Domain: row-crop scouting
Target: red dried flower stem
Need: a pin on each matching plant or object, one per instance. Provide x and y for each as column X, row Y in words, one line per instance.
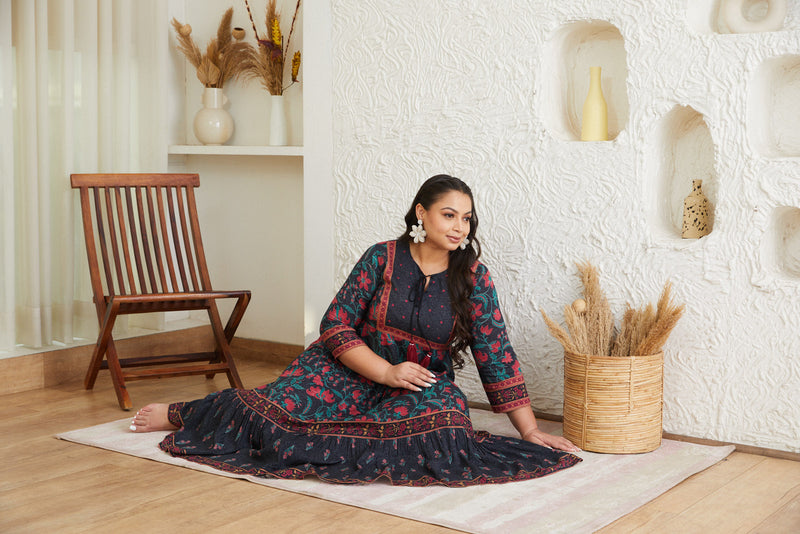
column 249, row 14
column 291, row 28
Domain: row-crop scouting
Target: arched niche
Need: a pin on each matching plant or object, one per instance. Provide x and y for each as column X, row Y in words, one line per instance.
column 683, row 151
column 569, row 54
column 772, row 110
column 736, row 16
column 781, row 247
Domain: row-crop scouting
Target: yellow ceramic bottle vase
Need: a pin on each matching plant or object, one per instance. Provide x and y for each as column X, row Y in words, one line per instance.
column 594, row 126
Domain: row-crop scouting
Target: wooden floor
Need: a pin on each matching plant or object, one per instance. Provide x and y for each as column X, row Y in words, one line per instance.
column 52, row 485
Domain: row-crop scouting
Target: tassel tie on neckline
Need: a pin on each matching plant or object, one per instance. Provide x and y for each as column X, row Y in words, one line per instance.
column 415, row 295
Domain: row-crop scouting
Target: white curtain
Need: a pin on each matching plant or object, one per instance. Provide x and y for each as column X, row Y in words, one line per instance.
column 82, row 89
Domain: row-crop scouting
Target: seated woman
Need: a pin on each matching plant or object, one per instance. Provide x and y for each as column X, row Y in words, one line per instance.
column 375, row 395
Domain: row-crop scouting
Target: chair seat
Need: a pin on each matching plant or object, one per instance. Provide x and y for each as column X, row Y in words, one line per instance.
column 170, row 301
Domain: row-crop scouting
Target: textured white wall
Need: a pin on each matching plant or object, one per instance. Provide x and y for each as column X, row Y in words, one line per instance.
column 486, row 90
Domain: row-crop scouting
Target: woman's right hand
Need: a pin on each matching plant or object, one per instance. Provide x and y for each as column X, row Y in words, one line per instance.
column 408, row 375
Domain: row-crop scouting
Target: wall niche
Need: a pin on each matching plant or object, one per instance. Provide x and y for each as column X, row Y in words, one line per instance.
column 772, row 111
column 569, row 54
column 781, row 247
column 683, row 152
column 736, row 16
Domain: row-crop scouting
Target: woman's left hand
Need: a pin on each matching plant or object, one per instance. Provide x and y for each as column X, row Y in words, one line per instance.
column 549, row 440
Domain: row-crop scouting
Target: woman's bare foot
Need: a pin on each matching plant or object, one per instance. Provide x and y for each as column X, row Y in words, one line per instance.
column 151, row 418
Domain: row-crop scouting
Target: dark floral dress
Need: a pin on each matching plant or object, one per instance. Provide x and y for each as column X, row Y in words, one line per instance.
column 321, row 418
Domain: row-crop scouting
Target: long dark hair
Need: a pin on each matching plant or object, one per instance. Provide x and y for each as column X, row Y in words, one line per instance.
column 459, row 268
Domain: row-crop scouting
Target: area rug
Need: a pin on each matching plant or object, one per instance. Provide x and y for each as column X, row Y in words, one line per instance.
column 583, row 498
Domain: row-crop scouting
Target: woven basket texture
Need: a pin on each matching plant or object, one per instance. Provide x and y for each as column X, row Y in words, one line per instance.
column 613, row 404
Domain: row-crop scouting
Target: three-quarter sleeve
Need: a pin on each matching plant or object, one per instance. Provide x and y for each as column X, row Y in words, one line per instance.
column 341, row 322
column 494, row 356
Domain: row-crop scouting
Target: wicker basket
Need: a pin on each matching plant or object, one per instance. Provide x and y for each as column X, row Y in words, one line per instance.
column 613, row 404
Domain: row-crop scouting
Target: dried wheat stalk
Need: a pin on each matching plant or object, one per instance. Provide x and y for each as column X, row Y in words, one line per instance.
column 642, row 323
column 666, row 318
column 599, row 319
column 622, row 343
column 576, row 322
column 642, row 332
column 559, row 333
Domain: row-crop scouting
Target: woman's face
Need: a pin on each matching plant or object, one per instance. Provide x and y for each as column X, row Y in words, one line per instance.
column 447, row 221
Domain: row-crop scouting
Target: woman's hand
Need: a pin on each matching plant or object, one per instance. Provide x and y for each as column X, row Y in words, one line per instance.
column 408, row 375
column 548, row 440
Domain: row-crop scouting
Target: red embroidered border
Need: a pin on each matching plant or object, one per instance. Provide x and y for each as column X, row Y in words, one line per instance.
column 357, row 429
column 507, row 383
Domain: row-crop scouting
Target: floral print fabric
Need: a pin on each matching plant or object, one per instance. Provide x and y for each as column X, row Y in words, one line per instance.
column 321, row 418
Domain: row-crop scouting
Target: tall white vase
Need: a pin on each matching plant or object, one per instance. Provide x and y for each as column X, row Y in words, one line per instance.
column 213, row 125
column 278, row 135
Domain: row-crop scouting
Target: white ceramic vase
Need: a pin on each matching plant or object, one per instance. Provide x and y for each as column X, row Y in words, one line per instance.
column 213, row 125
column 277, row 121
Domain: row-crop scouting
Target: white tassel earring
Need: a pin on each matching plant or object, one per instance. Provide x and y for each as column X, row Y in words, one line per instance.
column 418, row 232
column 464, row 244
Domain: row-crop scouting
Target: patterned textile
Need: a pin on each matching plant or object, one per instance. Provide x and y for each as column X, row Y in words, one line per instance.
column 321, row 418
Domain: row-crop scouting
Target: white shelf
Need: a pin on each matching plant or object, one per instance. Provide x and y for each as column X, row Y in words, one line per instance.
column 232, row 150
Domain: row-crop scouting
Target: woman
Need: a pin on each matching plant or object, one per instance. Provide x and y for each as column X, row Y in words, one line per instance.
column 375, row 396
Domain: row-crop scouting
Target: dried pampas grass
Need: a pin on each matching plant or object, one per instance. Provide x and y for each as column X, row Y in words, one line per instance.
column 575, row 317
column 591, row 324
column 559, row 333
column 666, row 318
column 599, row 319
column 225, row 57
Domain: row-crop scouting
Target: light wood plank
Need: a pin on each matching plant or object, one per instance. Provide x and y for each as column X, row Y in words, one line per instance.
column 49, row 484
column 748, row 499
column 787, row 519
column 22, row 373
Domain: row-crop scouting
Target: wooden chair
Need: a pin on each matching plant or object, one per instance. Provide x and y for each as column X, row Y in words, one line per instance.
column 145, row 255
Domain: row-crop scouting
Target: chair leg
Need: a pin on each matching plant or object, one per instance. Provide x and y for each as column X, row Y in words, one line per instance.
column 236, row 316
column 107, row 318
column 94, row 367
column 117, row 378
column 223, row 349
column 105, row 347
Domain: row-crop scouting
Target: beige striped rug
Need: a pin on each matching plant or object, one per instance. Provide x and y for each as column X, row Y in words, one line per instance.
column 583, row 498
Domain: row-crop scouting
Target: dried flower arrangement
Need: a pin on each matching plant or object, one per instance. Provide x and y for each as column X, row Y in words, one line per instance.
column 226, row 54
column 267, row 61
column 591, row 323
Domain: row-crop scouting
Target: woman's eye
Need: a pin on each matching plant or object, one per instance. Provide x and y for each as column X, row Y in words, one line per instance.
column 448, row 215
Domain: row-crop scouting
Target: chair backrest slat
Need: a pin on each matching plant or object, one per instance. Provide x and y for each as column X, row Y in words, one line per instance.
column 168, row 256
column 200, row 254
column 187, row 241
column 112, row 235
column 135, row 236
column 102, row 240
column 142, row 233
column 176, row 239
column 124, row 246
column 151, row 192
